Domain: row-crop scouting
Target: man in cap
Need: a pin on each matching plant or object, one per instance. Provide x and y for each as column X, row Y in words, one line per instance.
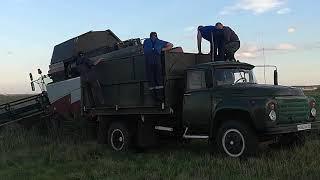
column 231, row 41
column 90, row 86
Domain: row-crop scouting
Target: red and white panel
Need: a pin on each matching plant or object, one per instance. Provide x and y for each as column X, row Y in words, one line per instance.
column 65, row 96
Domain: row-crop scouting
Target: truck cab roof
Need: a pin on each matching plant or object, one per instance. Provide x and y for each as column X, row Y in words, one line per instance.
column 223, row 64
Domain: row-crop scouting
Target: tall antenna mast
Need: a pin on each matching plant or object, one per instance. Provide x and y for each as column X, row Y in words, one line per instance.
column 264, row 65
column 264, row 59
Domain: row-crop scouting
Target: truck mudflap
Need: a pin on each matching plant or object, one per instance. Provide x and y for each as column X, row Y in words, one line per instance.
column 291, row 128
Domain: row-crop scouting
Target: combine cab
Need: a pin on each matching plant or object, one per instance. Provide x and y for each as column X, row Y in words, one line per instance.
column 93, row 43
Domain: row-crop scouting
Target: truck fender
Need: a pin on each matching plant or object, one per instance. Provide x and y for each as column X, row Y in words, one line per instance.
column 230, row 111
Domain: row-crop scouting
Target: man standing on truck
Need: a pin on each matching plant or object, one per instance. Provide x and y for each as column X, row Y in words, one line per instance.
column 231, row 41
column 215, row 37
column 90, row 86
column 152, row 48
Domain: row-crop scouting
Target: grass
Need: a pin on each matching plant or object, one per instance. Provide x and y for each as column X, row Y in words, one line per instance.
column 28, row 155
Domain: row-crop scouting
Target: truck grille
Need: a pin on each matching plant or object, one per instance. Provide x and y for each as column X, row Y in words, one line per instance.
column 292, row 110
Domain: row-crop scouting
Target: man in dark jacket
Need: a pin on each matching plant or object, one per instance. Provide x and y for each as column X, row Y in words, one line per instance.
column 231, row 41
column 215, row 37
column 152, row 48
column 90, row 86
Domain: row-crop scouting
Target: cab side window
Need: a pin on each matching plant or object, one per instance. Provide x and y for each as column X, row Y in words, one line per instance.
column 197, row 79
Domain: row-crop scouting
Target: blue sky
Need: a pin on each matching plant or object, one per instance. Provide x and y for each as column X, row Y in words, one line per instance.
column 287, row 30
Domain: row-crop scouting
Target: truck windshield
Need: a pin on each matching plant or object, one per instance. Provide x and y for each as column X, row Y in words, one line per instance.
column 234, row 76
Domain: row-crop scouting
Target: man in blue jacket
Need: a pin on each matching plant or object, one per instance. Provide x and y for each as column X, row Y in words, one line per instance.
column 215, row 37
column 153, row 48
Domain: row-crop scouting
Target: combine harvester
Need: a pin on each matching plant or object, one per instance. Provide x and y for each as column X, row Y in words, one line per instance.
column 217, row 101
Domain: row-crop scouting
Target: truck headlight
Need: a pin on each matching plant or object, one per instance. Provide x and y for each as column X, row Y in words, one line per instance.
column 271, row 109
column 273, row 115
column 313, row 112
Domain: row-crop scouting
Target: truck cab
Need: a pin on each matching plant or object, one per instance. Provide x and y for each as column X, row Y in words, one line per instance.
column 224, row 102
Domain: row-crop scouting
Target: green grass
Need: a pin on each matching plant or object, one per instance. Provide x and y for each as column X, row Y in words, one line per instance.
column 28, row 155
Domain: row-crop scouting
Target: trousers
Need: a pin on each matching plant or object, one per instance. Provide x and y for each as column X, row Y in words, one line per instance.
column 154, row 72
column 91, row 91
column 230, row 49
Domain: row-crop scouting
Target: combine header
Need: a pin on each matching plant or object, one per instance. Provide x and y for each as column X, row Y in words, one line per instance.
column 22, row 109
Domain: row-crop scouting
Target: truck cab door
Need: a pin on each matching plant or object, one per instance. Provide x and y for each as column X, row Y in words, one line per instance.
column 197, row 101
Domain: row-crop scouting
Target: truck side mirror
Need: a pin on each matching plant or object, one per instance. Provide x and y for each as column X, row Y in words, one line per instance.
column 275, row 77
column 39, row 71
column 31, row 77
column 32, row 86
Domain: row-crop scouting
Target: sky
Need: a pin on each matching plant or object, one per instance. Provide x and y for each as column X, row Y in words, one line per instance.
column 277, row 32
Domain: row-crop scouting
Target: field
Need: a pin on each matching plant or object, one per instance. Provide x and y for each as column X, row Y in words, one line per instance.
column 28, row 155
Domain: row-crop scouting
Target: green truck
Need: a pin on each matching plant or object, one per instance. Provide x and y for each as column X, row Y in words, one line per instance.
column 218, row 101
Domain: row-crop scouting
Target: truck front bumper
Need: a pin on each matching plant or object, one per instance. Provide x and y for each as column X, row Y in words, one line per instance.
column 292, row 128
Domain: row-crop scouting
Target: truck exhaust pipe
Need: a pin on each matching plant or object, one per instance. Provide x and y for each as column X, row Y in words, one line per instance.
column 275, row 77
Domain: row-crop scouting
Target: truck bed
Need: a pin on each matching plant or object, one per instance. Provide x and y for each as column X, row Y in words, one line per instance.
column 125, row 87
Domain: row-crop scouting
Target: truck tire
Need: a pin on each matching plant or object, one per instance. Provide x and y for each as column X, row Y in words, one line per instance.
column 119, row 138
column 236, row 139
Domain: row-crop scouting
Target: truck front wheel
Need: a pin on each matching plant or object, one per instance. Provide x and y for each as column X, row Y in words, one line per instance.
column 236, row 139
column 119, row 137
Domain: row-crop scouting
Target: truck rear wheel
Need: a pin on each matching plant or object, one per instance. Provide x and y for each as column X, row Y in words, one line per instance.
column 119, row 137
column 236, row 139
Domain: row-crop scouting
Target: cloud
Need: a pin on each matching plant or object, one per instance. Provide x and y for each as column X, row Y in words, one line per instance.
column 285, row 47
column 252, row 51
column 284, row 11
column 291, row 30
column 254, row 6
column 189, row 28
column 248, row 52
column 247, row 55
